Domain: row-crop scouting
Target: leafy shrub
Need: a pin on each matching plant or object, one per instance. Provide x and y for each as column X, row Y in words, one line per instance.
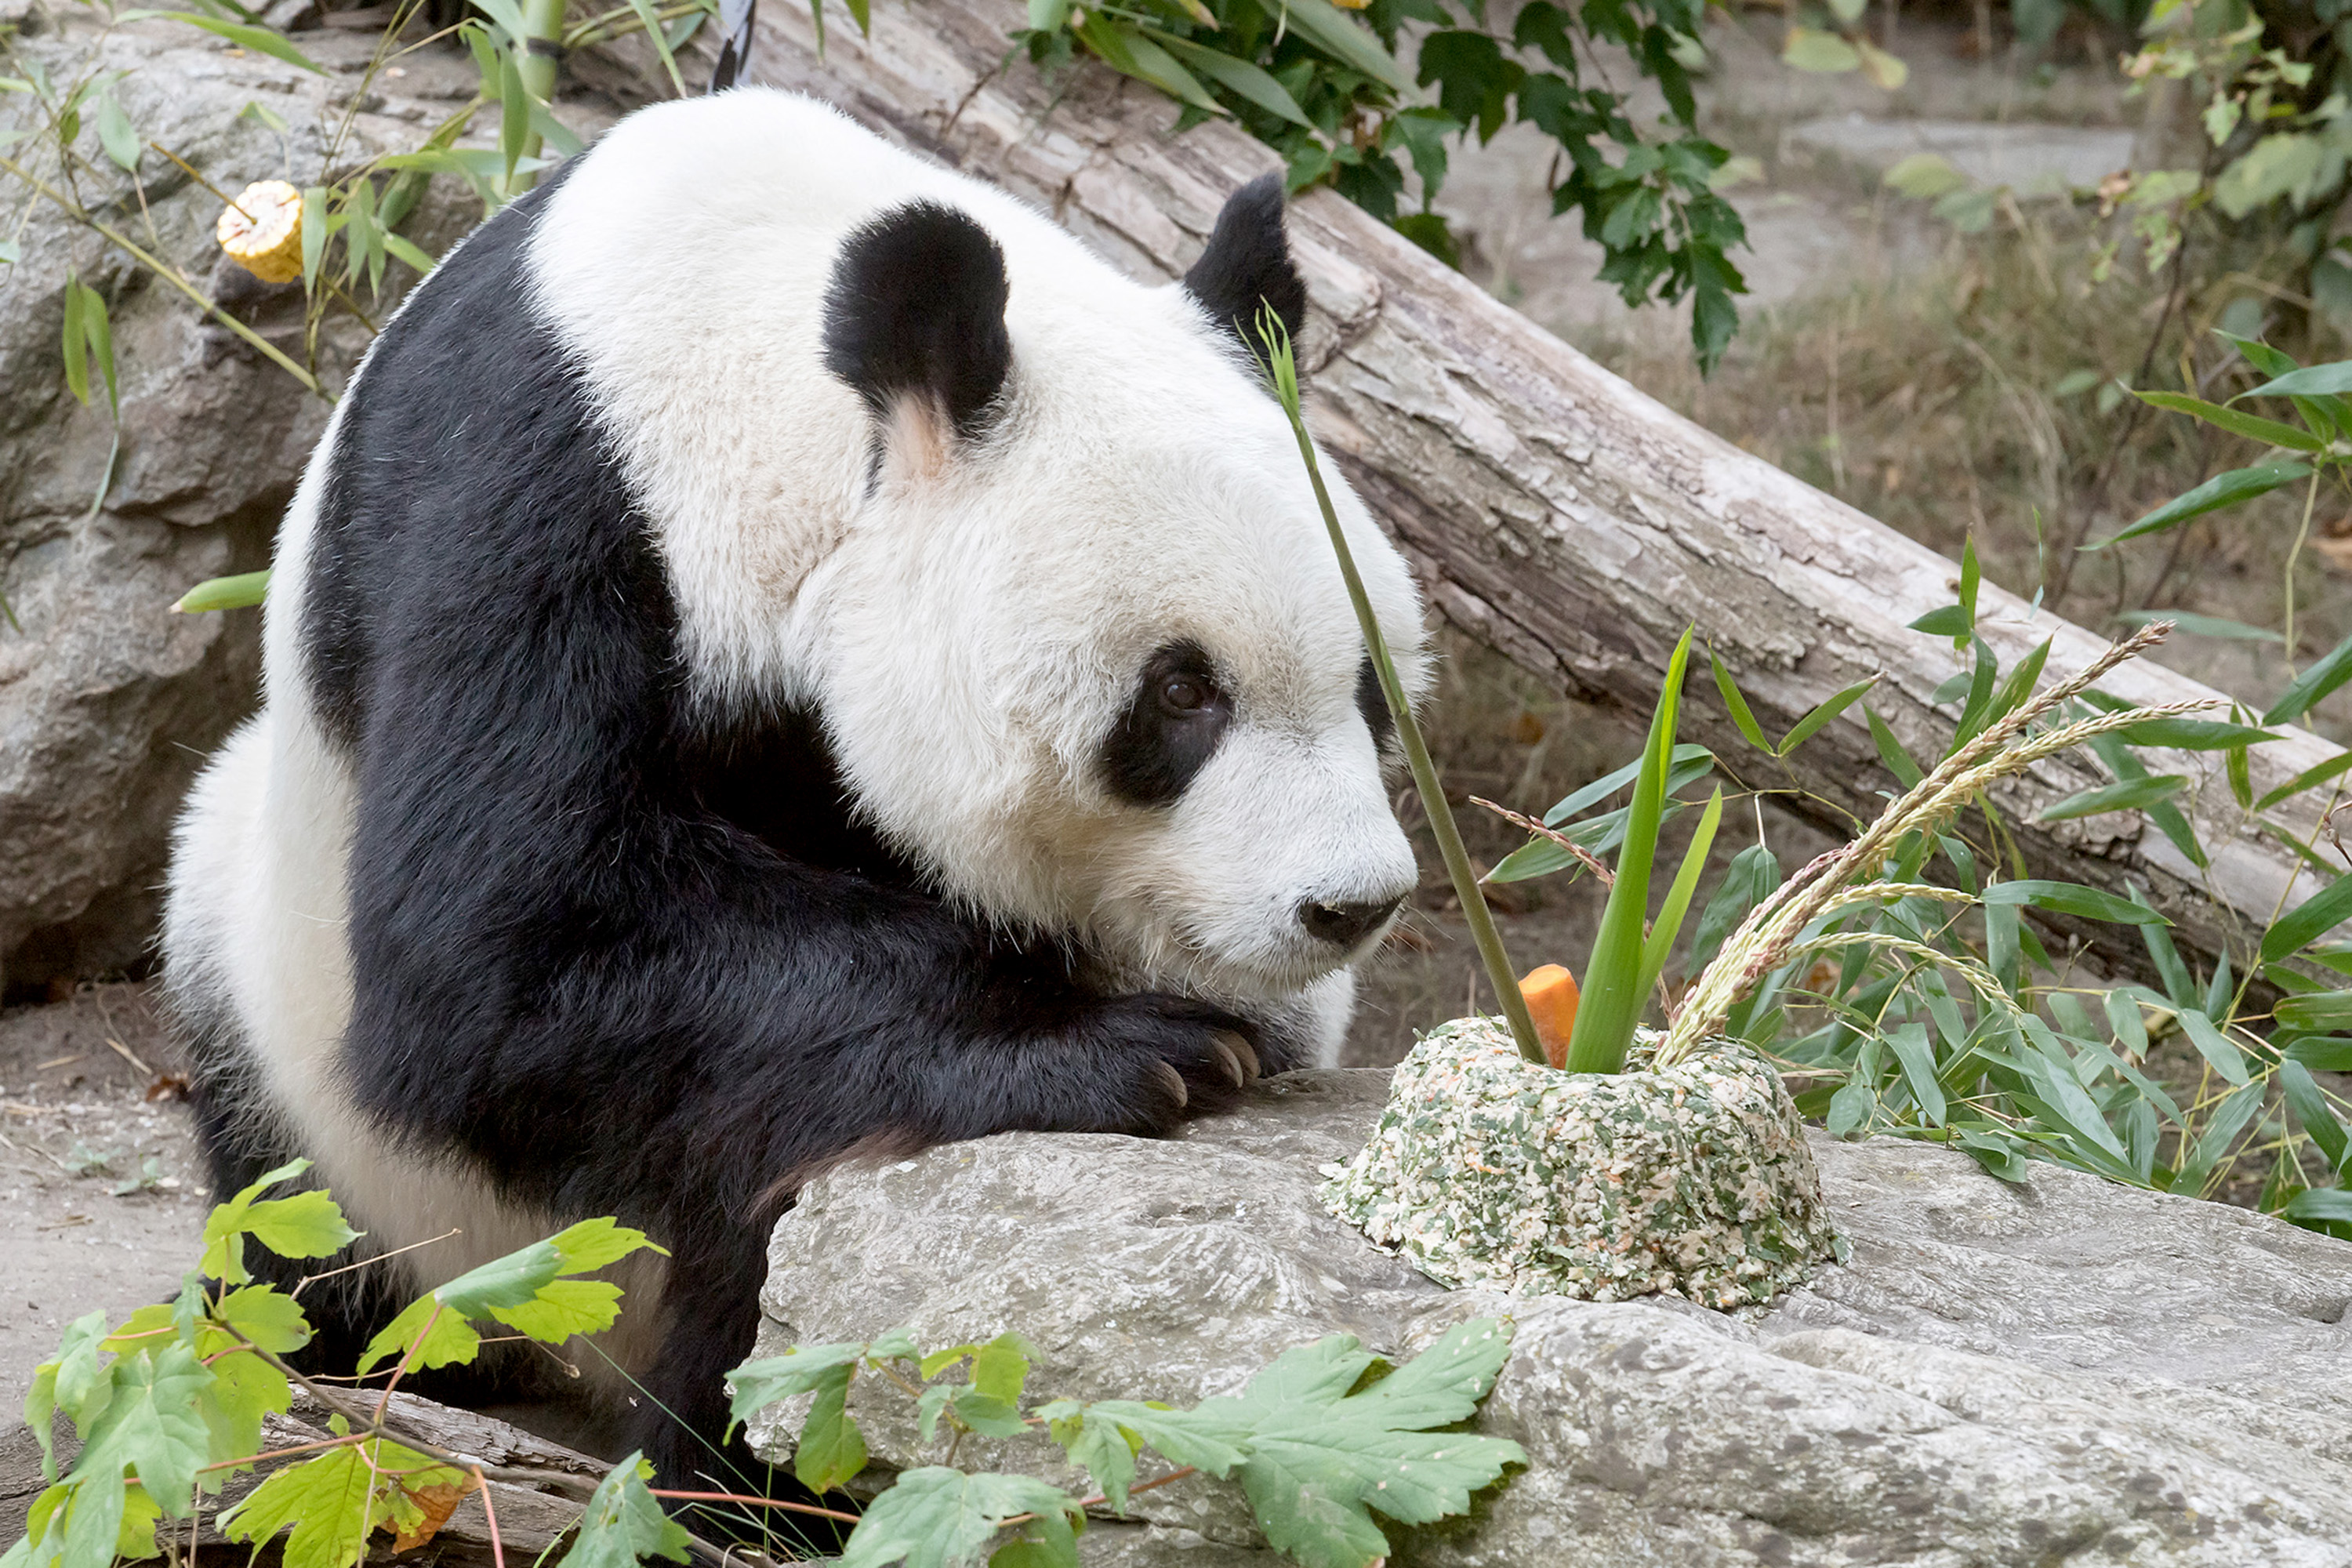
column 169, row 1406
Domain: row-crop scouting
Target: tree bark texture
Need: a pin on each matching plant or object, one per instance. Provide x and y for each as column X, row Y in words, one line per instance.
column 1552, row 510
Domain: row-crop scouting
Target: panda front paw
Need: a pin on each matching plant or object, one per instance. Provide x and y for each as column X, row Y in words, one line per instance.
column 1175, row 1056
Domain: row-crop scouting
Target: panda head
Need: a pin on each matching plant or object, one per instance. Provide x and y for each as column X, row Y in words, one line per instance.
column 1090, row 659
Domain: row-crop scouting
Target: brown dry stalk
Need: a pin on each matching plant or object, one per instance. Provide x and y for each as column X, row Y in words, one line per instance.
column 1592, row 862
column 1768, row 937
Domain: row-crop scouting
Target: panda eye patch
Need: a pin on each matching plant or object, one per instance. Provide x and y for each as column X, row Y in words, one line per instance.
column 1170, row 727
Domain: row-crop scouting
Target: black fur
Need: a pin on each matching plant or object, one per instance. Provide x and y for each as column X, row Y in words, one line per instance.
column 1247, row 265
column 915, row 307
column 1373, row 704
column 624, row 960
column 1163, row 739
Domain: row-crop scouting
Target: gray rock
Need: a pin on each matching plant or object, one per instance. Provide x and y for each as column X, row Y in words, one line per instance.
column 107, row 701
column 2064, row 1371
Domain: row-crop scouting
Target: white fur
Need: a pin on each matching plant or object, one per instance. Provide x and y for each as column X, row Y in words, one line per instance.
column 971, row 627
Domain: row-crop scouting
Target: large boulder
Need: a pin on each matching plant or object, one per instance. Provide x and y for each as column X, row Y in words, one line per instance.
column 2061, row 1371
column 108, row 702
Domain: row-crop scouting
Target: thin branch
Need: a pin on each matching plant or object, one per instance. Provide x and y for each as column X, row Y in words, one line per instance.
column 368, row 1262
column 1100, row 1497
column 169, row 274
column 1592, row 862
column 401, row 1371
column 490, row 1512
column 750, row 1501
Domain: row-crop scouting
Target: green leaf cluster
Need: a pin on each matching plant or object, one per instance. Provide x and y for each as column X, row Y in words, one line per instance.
column 169, row 1406
column 1323, row 1442
column 1925, row 1003
column 534, row 1292
column 1325, row 88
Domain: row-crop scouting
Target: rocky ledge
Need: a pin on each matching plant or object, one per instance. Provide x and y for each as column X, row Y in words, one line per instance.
column 2062, row 1371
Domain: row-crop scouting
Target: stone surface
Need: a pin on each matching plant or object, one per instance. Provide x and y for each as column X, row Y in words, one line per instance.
column 107, row 701
column 2060, row 1371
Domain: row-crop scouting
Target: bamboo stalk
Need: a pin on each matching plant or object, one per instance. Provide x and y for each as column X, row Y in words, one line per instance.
column 1283, row 371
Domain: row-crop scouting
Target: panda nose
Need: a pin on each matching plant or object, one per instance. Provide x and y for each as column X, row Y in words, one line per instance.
column 1343, row 924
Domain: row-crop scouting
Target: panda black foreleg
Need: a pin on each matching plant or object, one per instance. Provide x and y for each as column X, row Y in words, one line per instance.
column 691, row 1053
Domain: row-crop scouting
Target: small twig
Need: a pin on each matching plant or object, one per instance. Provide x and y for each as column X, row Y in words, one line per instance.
column 750, row 1501
column 401, row 1371
column 128, row 1055
column 1592, row 862
column 190, row 170
column 369, row 1262
column 490, row 1512
column 343, row 1442
column 574, row 1486
column 1102, row 1497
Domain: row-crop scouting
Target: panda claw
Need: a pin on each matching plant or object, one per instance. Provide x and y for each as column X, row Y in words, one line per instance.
column 1243, row 1057
column 1230, row 1063
column 1175, row 1083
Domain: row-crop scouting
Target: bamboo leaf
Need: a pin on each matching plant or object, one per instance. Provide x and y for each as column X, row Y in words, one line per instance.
column 2229, row 1119
column 651, row 25
column 115, row 132
column 2131, row 794
column 2317, row 773
column 1890, row 752
column 1806, row 728
column 1613, row 992
column 1236, row 76
column 1742, row 717
column 77, row 343
column 514, row 119
column 2073, row 899
column 2333, row 669
column 1975, row 713
column 1909, row 1044
column 408, row 251
column 1344, row 39
column 314, row 233
column 2316, row 1012
column 2312, row 380
column 2017, row 687
column 1128, row 52
column 2221, row 491
column 260, row 40
column 2199, row 626
column 2194, row 735
column 2309, row 921
column 2236, row 421
column 2310, row 1107
column 1669, row 923
column 1951, row 621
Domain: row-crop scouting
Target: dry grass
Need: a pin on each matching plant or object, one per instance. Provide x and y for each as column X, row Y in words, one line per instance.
column 1939, row 401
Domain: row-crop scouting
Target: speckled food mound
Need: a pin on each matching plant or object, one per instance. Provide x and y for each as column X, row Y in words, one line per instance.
column 1486, row 1169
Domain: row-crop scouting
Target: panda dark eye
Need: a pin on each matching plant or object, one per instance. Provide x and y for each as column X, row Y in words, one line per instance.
column 1185, row 694
column 1176, row 716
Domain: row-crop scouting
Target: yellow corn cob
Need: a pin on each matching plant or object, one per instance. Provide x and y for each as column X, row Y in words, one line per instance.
column 262, row 231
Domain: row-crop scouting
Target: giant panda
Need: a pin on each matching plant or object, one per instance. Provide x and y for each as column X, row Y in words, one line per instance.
column 782, row 655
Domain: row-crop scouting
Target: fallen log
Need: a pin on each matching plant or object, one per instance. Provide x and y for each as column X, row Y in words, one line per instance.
column 1553, row 510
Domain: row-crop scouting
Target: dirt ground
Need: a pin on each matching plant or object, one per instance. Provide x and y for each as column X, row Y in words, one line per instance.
column 88, row 1107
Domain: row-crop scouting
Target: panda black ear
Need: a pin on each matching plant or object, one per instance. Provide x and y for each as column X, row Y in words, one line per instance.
column 1247, row 265
column 915, row 313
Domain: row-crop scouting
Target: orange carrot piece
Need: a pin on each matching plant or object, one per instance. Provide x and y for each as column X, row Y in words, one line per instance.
column 1551, row 996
